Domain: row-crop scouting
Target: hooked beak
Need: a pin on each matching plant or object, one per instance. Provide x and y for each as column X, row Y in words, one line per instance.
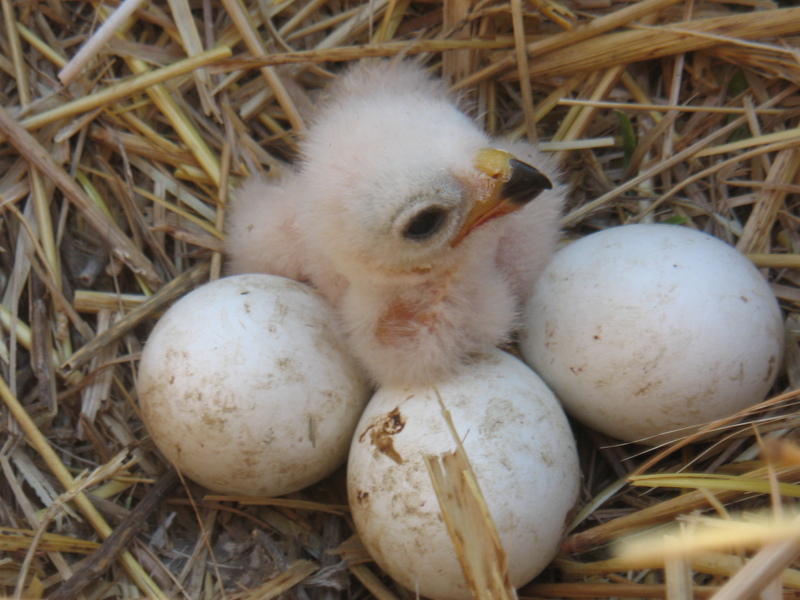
column 512, row 184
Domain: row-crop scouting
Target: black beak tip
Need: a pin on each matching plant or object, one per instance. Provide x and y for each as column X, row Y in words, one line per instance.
column 525, row 184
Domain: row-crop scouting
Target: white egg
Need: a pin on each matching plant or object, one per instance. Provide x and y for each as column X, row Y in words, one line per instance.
column 246, row 387
column 519, row 443
column 647, row 332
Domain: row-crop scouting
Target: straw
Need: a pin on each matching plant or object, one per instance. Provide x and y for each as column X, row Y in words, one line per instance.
column 125, row 131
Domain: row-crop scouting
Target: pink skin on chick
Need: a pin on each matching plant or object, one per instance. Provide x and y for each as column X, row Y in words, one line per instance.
column 424, row 234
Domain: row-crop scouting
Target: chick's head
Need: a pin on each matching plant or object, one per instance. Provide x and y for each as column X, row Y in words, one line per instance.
column 400, row 178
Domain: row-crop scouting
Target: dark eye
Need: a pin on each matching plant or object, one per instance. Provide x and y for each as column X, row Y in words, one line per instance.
column 425, row 224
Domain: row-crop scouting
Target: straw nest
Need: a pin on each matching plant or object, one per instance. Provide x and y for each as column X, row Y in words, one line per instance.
column 123, row 128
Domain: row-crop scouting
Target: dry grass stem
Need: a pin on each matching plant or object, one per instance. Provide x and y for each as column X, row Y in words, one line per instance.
column 469, row 523
column 660, row 513
column 728, row 110
column 576, row 35
column 165, row 296
column 45, row 450
column 92, row 46
column 762, row 569
column 125, row 89
column 296, row 573
column 575, row 591
column 603, row 52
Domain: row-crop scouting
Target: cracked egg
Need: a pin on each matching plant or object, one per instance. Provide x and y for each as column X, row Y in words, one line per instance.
column 522, row 452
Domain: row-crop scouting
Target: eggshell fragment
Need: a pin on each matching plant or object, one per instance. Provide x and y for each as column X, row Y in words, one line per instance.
column 246, row 387
column 521, row 449
column 647, row 332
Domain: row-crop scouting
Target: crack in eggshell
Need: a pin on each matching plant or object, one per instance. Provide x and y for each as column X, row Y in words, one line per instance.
column 383, row 429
